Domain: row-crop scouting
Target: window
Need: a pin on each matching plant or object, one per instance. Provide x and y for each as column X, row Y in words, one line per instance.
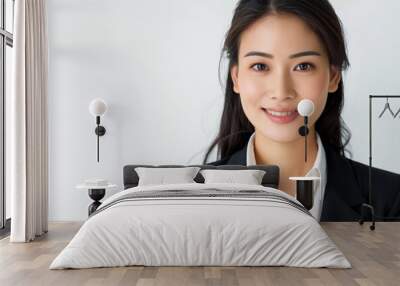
column 6, row 44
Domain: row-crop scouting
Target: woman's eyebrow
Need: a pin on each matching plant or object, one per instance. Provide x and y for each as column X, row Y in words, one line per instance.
column 266, row 55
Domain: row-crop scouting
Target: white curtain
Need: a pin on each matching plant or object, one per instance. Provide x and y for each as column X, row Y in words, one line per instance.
column 27, row 121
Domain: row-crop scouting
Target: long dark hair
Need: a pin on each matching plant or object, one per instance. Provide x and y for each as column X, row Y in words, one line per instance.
column 235, row 129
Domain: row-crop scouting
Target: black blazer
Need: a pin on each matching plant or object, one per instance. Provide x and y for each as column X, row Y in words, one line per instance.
column 347, row 188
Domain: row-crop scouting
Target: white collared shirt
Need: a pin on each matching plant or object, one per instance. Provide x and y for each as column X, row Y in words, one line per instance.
column 318, row 170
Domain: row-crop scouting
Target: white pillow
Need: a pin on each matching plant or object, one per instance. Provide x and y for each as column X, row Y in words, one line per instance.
column 249, row 177
column 162, row 176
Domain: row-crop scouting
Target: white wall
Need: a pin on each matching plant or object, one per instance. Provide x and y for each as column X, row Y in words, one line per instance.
column 371, row 29
column 156, row 64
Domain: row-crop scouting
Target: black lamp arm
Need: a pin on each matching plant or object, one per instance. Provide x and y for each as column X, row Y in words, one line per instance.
column 99, row 131
column 303, row 131
column 305, row 137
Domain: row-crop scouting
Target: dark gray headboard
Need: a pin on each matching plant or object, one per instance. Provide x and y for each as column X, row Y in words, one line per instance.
column 270, row 179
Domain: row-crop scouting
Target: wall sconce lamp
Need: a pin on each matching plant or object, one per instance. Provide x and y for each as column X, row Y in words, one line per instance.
column 97, row 108
column 304, row 185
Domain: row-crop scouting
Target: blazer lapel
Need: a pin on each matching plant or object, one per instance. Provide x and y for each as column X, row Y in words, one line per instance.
column 343, row 196
column 239, row 157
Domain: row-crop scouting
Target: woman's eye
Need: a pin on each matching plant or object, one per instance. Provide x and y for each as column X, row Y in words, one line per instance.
column 259, row 67
column 300, row 67
column 304, row 66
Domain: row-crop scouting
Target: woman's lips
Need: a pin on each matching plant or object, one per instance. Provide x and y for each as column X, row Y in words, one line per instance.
column 281, row 119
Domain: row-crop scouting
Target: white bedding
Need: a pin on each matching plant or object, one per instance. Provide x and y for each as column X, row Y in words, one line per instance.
column 186, row 231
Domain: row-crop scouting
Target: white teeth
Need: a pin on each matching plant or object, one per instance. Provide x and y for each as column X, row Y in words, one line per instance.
column 276, row 113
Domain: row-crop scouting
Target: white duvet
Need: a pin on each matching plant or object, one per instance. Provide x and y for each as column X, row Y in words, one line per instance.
column 200, row 231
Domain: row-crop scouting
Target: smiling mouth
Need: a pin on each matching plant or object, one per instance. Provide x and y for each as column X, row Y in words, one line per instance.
column 280, row 113
column 280, row 117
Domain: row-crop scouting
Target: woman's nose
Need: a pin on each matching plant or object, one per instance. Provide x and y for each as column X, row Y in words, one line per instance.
column 281, row 86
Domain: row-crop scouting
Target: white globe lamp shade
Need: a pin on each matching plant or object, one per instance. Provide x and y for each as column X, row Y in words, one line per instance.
column 305, row 107
column 97, row 107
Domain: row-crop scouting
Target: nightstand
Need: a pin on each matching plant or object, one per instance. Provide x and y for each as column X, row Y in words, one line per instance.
column 96, row 193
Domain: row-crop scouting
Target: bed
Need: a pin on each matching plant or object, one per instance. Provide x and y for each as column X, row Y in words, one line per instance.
column 201, row 223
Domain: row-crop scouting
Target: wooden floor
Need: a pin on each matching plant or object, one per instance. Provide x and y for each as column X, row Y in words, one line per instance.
column 374, row 255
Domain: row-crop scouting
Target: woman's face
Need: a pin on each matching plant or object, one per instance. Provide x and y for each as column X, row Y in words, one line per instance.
column 282, row 61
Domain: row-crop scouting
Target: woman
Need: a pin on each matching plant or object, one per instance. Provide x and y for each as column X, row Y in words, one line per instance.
column 280, row 52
